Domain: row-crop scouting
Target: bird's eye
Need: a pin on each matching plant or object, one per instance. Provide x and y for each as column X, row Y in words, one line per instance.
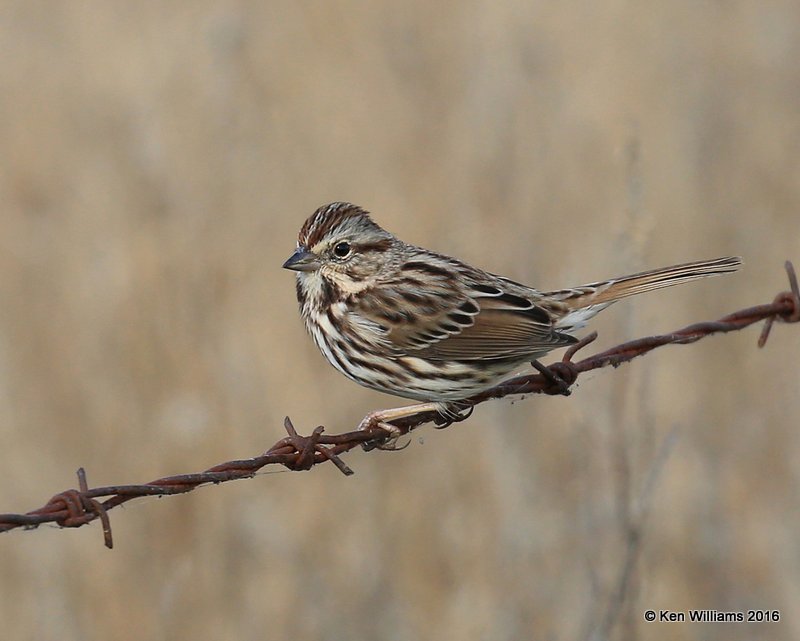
column 342, row 250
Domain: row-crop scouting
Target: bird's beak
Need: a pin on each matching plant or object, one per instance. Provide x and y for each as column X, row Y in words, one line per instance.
column 302, row 261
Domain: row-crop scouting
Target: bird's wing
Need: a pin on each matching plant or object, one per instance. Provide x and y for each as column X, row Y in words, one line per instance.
column 437, row 313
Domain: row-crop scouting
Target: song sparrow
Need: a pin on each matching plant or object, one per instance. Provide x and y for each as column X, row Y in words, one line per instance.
column 408, row 321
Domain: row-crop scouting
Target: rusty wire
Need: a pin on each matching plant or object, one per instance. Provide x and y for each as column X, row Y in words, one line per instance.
column 77, row 507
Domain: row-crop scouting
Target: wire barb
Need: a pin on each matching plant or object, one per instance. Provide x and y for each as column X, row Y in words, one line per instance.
column 308, row 447
column 95, row 507
column 75, row 508
column 556, row 383
column 791, row 299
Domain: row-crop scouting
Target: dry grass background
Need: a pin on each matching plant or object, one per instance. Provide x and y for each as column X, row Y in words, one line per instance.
column 157, row 161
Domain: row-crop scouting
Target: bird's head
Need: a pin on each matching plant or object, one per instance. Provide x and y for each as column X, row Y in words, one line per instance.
column 341, row 244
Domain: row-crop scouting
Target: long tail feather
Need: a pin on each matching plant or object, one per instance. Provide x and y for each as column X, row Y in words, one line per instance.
column 665, row 277
column 608, row 291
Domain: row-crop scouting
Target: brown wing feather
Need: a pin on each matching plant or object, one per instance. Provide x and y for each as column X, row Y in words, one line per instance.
column 499, row 332
column 434, row 315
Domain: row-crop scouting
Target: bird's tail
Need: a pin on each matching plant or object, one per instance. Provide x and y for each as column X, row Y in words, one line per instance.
column 584, row 302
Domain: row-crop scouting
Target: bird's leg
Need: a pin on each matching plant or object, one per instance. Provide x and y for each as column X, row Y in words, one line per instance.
column 382, row 418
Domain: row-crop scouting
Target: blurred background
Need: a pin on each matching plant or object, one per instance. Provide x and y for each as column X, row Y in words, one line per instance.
column 157, row 160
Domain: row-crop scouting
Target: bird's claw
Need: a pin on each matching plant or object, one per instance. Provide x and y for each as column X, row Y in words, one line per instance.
column 388, row 442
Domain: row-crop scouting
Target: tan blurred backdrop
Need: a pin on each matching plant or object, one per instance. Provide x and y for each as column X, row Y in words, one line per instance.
column 157, row 160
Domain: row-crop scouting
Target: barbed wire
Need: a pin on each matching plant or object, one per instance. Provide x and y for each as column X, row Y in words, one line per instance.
column 77, row 507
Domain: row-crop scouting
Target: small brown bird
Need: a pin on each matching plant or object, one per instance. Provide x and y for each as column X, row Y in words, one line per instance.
column 408, row 321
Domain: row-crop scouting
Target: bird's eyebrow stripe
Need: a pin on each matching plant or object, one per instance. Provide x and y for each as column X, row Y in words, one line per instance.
column 375, row 245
